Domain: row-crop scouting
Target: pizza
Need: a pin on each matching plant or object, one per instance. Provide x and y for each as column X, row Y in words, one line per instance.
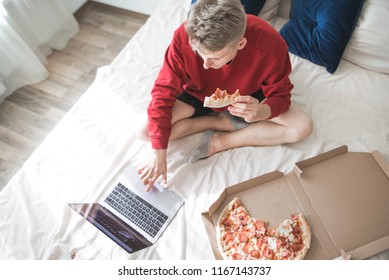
column 220, row 99
column 242, row 237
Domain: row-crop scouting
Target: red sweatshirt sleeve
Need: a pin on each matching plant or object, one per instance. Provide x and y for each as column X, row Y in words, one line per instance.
column 166, row 87
column 277, row 88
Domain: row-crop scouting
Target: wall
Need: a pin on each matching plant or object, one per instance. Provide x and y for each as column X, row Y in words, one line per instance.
column 141, row 6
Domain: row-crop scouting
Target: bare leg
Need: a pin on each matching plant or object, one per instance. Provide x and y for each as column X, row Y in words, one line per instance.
column 292, row 126
column 183, row 125
column 191, row 126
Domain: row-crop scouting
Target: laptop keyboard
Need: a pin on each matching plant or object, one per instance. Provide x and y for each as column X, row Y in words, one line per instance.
column 136, row 209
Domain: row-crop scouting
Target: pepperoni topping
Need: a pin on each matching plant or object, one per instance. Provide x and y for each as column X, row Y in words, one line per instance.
column 287, row 254
column 243, row 237
column 236, row 256
column 227, row 222
column 247, row 248
column 297, row 238
column 228, row 238
column 297, row 247
column 255, row 254
column 267, row 253
column 259, row 225
column 281, row 241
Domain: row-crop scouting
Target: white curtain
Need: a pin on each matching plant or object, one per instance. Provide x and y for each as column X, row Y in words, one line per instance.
column 29, row 31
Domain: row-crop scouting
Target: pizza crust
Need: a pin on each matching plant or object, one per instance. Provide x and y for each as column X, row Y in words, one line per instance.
column 306, row 236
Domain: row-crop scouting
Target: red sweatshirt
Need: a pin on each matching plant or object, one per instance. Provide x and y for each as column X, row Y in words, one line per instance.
column 263, row 63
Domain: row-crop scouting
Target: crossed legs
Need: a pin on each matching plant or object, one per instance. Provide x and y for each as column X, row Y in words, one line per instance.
column 291, row 126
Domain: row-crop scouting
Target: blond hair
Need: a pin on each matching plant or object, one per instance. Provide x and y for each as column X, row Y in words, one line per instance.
column 214, row 24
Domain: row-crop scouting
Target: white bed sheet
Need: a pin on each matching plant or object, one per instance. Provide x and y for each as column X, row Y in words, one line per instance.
column 96, row 138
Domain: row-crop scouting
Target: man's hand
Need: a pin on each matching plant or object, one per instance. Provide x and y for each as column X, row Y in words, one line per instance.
column 157, row 167
column 249, row 108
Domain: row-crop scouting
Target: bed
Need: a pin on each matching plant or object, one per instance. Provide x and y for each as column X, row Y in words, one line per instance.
column 96, row 138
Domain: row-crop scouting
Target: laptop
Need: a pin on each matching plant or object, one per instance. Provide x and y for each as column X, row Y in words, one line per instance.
column 130, row 216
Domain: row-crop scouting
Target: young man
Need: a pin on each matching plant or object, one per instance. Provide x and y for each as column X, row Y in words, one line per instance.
column 220, row 47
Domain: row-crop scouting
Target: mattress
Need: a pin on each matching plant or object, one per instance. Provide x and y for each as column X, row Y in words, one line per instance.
column 96, row 138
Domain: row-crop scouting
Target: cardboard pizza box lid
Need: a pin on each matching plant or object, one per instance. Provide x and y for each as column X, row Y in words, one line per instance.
column 343, row 195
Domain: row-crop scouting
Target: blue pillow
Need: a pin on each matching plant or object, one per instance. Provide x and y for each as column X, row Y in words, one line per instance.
column 252, row 7
column 319, row 30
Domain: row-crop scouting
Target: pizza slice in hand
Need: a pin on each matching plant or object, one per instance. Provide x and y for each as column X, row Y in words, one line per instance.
column 220, row 99
column 240, row 236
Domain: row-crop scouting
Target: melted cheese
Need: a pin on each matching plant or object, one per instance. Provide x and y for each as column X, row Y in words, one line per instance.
column 272, row 241
column 285, row 229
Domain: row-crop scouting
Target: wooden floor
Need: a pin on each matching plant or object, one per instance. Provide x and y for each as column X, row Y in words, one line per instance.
column 30, row 113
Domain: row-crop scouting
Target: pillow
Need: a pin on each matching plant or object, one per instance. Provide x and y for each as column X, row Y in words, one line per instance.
column 319, row 30
column 270, row 10
column 252, row 7
column 369, row 45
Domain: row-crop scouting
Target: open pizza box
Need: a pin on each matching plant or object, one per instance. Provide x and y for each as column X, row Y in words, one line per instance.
column 344, row 195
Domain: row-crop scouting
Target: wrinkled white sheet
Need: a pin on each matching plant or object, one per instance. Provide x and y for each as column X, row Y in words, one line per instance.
column 97, row 137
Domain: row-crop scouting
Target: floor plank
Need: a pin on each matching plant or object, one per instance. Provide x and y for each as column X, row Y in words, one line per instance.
column 31, row 112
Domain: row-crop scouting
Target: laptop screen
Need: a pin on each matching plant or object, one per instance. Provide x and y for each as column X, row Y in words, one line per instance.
column 112, row 226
